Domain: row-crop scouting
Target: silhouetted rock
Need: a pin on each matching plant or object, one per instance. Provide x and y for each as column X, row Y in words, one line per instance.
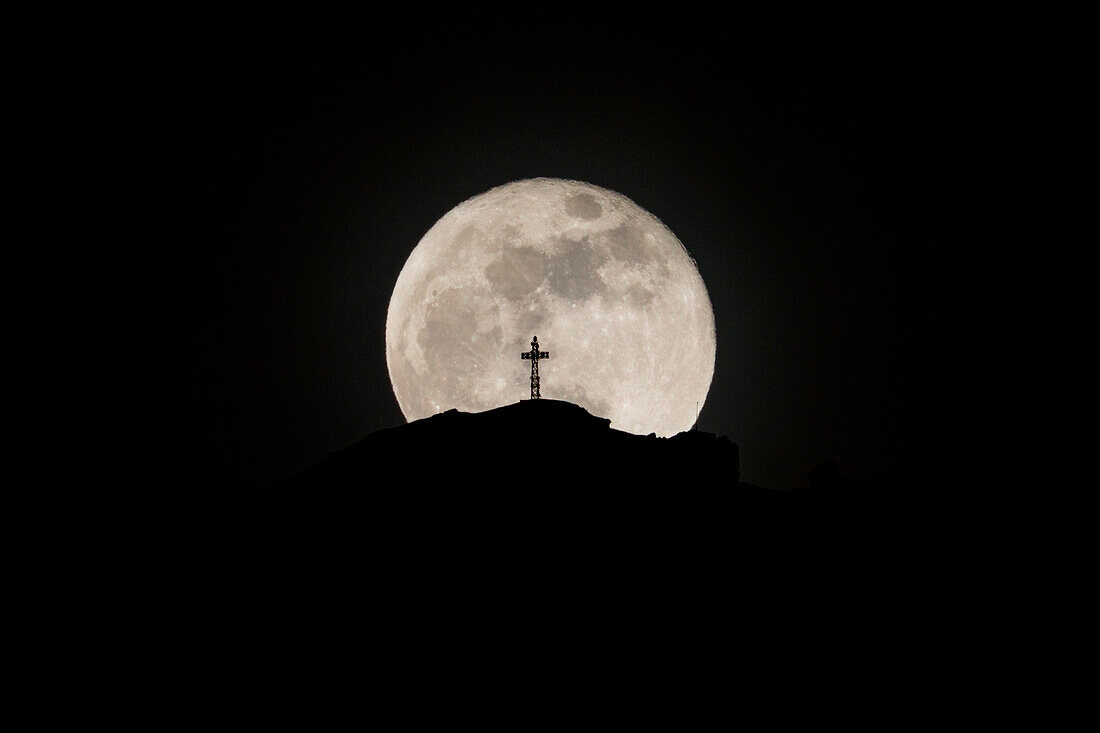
column 544, row 457
column 544, row 487
column 538, row 518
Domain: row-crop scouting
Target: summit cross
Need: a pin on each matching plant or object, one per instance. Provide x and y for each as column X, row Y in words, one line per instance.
column 534, row 355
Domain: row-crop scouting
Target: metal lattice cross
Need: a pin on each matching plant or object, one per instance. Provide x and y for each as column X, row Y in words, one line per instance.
column 534, row 355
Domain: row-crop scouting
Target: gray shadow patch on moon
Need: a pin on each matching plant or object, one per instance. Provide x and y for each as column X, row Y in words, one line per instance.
column 467, row 241
column 638, row 296
column 583, row 206
column 529, row 322
column 449, row 320
column 628, row 243
column 574, row 272
column 517, row 272
column 454, row 347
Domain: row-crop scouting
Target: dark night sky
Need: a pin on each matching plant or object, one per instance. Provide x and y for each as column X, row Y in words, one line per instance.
column 815, row 166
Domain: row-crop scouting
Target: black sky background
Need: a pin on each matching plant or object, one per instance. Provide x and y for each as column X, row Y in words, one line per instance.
column 819, row 167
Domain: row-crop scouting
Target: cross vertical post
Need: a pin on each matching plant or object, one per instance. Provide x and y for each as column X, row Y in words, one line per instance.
column 534, row 355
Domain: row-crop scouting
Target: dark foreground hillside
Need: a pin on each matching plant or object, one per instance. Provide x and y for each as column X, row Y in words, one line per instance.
column 533, row 537
column 546, row 477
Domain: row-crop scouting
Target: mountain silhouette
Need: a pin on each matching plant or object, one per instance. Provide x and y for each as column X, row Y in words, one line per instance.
column 547, row 474
column 545, row 460
column 539, row 522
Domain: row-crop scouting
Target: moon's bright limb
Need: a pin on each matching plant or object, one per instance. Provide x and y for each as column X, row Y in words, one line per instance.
column 608, row 289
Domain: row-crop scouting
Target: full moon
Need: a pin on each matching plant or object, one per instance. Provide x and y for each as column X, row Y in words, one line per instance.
column 610, row 292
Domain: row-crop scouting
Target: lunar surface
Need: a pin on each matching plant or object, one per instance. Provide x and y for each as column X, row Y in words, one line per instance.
column 610, row 292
